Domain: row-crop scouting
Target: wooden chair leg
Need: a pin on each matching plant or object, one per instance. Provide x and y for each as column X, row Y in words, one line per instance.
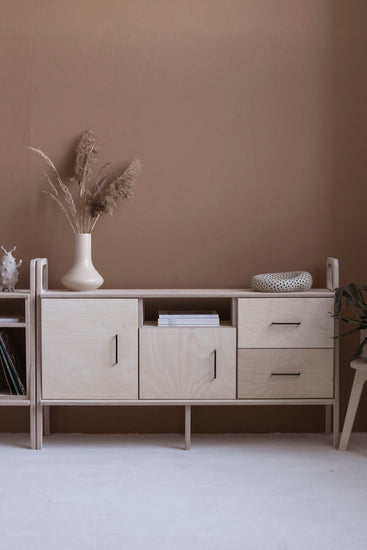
column 360, row 378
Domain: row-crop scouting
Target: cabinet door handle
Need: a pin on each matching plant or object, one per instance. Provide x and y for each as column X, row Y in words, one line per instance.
column 286, row 374
column 215, row 364
column 293, row 324
column 116, row 349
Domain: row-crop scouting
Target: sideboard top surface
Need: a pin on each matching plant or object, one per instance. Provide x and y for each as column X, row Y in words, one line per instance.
column 184, row 293
column 17, row 294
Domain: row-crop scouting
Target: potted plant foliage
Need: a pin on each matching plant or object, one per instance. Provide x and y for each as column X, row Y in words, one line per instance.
column 351, row 307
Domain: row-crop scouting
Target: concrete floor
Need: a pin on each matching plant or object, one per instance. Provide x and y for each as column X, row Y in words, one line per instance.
column 255, row 492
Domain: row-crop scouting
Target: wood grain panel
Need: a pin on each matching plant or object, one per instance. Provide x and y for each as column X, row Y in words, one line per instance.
column 286, row 373
column 181, row 293
column 178, row 363
column 285, row 323
column 79, row 349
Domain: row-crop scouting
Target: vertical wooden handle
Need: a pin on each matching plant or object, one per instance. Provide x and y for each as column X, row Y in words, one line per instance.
column 116, row 349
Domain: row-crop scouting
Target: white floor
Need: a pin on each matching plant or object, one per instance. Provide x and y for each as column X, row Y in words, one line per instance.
column 255, row 492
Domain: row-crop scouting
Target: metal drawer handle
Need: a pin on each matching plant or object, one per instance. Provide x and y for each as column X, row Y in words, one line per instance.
column 116, row 349
column 295, row 324
column 286, row 374
column 215, row 364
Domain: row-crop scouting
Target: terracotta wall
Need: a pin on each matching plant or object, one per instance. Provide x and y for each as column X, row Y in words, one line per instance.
column 250, row 119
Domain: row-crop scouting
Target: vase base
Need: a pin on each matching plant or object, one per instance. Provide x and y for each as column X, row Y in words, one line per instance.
column 84, row 285
column 83, row 275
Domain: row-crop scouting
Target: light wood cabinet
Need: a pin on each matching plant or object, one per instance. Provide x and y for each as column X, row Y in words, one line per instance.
column 17, row 380
column 286, row 348
column 90, row 349
column 188, row 363
column 97, row 348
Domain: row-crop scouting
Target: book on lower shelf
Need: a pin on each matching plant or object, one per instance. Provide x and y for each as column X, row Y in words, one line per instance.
column 188, row 319
column 11, row 371
column 11, row 319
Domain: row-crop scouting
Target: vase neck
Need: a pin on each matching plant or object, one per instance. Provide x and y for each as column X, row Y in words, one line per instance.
column 83, row 247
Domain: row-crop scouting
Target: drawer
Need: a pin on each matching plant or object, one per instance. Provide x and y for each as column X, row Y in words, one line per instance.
column 285, row 373
column 285, row 323
column 187, row 363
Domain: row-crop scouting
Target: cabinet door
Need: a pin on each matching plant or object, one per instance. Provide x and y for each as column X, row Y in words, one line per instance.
column 188, row 363
column 89, row 348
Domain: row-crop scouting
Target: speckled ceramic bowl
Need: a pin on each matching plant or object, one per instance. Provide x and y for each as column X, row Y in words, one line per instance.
column 289, row 281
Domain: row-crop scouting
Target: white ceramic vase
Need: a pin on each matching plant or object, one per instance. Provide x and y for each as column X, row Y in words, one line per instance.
column 82, row 275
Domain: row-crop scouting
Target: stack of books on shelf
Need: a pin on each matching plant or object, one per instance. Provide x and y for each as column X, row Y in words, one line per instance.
column 10, row 319
column 10, row 366
column 188, row 319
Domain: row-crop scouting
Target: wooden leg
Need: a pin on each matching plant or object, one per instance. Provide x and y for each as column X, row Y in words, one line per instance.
column 328, row 415
column 336, row 422
column 359, row 380
column 39, row 423
column 46, row 420
column 187, row 427
column 32, row 425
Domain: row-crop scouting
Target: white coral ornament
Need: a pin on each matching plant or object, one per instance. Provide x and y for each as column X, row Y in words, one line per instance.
column 8, row 270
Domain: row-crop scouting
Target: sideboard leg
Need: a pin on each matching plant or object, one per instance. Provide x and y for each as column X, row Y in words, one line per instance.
column 328, row 418
column 39, row 423
column 46, row 420
column 336, row 424
column 33, row 429
column 187, row 427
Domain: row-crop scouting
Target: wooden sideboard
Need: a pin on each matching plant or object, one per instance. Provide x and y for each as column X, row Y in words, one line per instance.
column 106, row 348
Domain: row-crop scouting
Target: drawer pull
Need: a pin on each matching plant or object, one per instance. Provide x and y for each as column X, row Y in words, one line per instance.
column 286, row 374
column 215, row 364
column 116, row 349
column 295, row 324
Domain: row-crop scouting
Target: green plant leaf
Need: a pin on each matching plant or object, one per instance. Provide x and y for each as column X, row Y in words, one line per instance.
column 360, row 349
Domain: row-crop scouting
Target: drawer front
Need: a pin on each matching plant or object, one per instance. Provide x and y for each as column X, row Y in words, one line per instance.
column 286, row 373
column 187, row 363
column 285, row 323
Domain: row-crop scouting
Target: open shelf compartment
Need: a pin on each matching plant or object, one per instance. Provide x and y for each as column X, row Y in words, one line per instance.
column 150, row 308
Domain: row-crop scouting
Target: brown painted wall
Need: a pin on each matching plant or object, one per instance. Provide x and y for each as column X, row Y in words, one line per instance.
column 250, row 118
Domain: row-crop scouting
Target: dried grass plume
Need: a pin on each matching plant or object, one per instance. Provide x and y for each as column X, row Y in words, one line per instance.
column 93, row 197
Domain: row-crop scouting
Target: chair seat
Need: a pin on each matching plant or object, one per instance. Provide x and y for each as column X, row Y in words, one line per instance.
column 360, row 364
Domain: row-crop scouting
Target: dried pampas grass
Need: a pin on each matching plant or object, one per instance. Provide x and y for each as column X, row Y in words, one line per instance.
column 95, row 197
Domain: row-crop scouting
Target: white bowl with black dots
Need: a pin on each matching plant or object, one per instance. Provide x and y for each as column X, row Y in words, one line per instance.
column 288, row 281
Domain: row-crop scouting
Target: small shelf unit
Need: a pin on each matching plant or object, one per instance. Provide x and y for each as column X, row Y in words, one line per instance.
column 21, row 303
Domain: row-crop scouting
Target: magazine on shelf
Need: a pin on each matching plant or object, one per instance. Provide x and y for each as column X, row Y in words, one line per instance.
column 188, row 319
column 188, row 325
column 182, row 322
column 11, row 364
column 188, row 314
column 10, row 319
